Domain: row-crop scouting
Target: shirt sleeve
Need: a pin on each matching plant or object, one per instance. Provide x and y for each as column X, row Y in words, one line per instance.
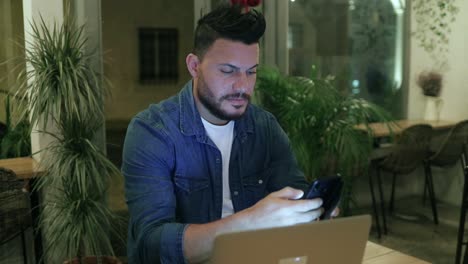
column 284, row 166
column 153, row 236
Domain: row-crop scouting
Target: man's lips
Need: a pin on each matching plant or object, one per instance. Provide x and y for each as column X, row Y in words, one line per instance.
column 241, row 97
column 240, row 100
column 237, row 101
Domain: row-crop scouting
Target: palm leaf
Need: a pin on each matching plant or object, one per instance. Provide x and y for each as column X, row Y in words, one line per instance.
column 320, row 122
column 16, row 141
column 60, row 82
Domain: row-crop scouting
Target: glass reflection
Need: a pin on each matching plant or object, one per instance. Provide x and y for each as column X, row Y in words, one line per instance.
column 360, row 42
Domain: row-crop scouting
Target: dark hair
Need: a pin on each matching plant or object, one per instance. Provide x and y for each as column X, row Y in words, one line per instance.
column 228, row 22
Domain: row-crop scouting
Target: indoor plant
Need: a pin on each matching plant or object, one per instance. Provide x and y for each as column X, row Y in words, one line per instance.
column 15, row 137
column 432, row 33
column 62, row 88
column 321, row 124
column 431, row 85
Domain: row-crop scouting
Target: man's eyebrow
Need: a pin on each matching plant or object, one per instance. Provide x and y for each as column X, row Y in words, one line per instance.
column 255, row 66
column 237, row 68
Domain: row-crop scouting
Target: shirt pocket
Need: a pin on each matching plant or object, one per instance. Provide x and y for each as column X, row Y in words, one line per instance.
column 255, row 186
column 193, row 198
column 190, row 185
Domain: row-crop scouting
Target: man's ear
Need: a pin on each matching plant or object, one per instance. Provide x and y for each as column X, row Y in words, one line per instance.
column 192, row 61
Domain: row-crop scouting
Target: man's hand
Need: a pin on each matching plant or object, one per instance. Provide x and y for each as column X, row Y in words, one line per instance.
column 282, row 208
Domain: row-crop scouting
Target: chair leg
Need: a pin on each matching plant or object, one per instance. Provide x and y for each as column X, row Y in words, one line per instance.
column 428, row 176
column 465, row 258
column 392, row 198
column 374, row 206
column 425, row 190
column 461, row 224
column 23, row 244
column 382, row 201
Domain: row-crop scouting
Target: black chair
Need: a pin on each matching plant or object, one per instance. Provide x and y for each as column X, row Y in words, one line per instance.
column 452, row 150
column 14, row 209
column 409, row 151
column 464, row 205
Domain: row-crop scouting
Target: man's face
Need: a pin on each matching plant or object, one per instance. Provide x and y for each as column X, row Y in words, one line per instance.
column 226, row 80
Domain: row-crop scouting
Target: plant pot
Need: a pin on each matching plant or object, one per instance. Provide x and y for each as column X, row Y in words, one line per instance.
column 94, row 260
column 433, row 108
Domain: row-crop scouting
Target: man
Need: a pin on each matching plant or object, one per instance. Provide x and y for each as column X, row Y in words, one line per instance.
column 206, row 161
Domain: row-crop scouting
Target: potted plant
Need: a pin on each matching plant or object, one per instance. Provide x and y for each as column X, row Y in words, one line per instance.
column 15, row 137
column 61, row 87
column 432, row 31
column 321, row 124
column 431, row 85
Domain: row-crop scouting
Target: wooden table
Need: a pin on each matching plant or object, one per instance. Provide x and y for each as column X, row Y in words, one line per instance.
column 382, row 129
column 377, row 254
column 26, row 168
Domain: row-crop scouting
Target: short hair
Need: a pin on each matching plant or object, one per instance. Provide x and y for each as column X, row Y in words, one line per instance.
column 228, row 22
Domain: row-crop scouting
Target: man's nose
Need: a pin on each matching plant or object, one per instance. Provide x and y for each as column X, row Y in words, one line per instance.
column 242, row 82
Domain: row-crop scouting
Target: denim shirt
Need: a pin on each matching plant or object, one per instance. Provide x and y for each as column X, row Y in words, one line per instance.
column 173, row 173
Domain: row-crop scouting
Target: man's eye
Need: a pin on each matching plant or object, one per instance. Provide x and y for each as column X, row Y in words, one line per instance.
column 251, row 72
column 227, row 70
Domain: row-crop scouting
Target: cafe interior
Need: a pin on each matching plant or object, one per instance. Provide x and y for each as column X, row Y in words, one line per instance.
column 405, row 61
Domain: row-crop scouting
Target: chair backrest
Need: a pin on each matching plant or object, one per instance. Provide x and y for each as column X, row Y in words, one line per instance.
column 14, row 206
column 8, row 181
column 452, row 146
column 410, row 149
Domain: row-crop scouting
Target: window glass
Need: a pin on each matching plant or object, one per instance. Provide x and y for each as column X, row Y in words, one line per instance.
column 360, row 42
column 11, row 34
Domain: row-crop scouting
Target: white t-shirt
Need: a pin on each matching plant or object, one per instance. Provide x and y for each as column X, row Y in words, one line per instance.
column 222, row 136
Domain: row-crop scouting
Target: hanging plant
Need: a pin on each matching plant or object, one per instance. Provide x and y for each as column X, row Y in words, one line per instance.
column 433, row 19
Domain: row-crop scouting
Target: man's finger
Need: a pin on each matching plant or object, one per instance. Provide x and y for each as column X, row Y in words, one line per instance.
column 335, row 212
column 306, row 204
column 288, row 193
column 310, row 215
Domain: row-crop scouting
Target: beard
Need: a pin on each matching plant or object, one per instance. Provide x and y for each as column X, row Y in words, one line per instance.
column 213, row 105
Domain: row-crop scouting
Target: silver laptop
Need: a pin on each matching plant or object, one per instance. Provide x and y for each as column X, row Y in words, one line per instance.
column 337, row 241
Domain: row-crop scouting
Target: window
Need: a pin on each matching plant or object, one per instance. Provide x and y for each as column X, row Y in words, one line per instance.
column 158, row 55
column 360, row 42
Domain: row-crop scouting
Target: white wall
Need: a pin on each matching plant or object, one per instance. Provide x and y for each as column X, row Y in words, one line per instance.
column 448, row 182
column 455, row 90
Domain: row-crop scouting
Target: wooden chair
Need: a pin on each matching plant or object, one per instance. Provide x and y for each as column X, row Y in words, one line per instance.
column 14, row 209
column 409, row 151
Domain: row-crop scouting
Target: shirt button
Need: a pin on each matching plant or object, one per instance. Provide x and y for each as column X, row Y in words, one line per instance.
column 260, row 181
column 236, row 193
column 217, row 160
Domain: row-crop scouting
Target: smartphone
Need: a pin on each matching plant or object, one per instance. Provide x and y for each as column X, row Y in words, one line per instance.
column 329, row 189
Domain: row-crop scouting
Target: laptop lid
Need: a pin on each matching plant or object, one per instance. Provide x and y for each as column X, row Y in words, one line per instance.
column 336, row 241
